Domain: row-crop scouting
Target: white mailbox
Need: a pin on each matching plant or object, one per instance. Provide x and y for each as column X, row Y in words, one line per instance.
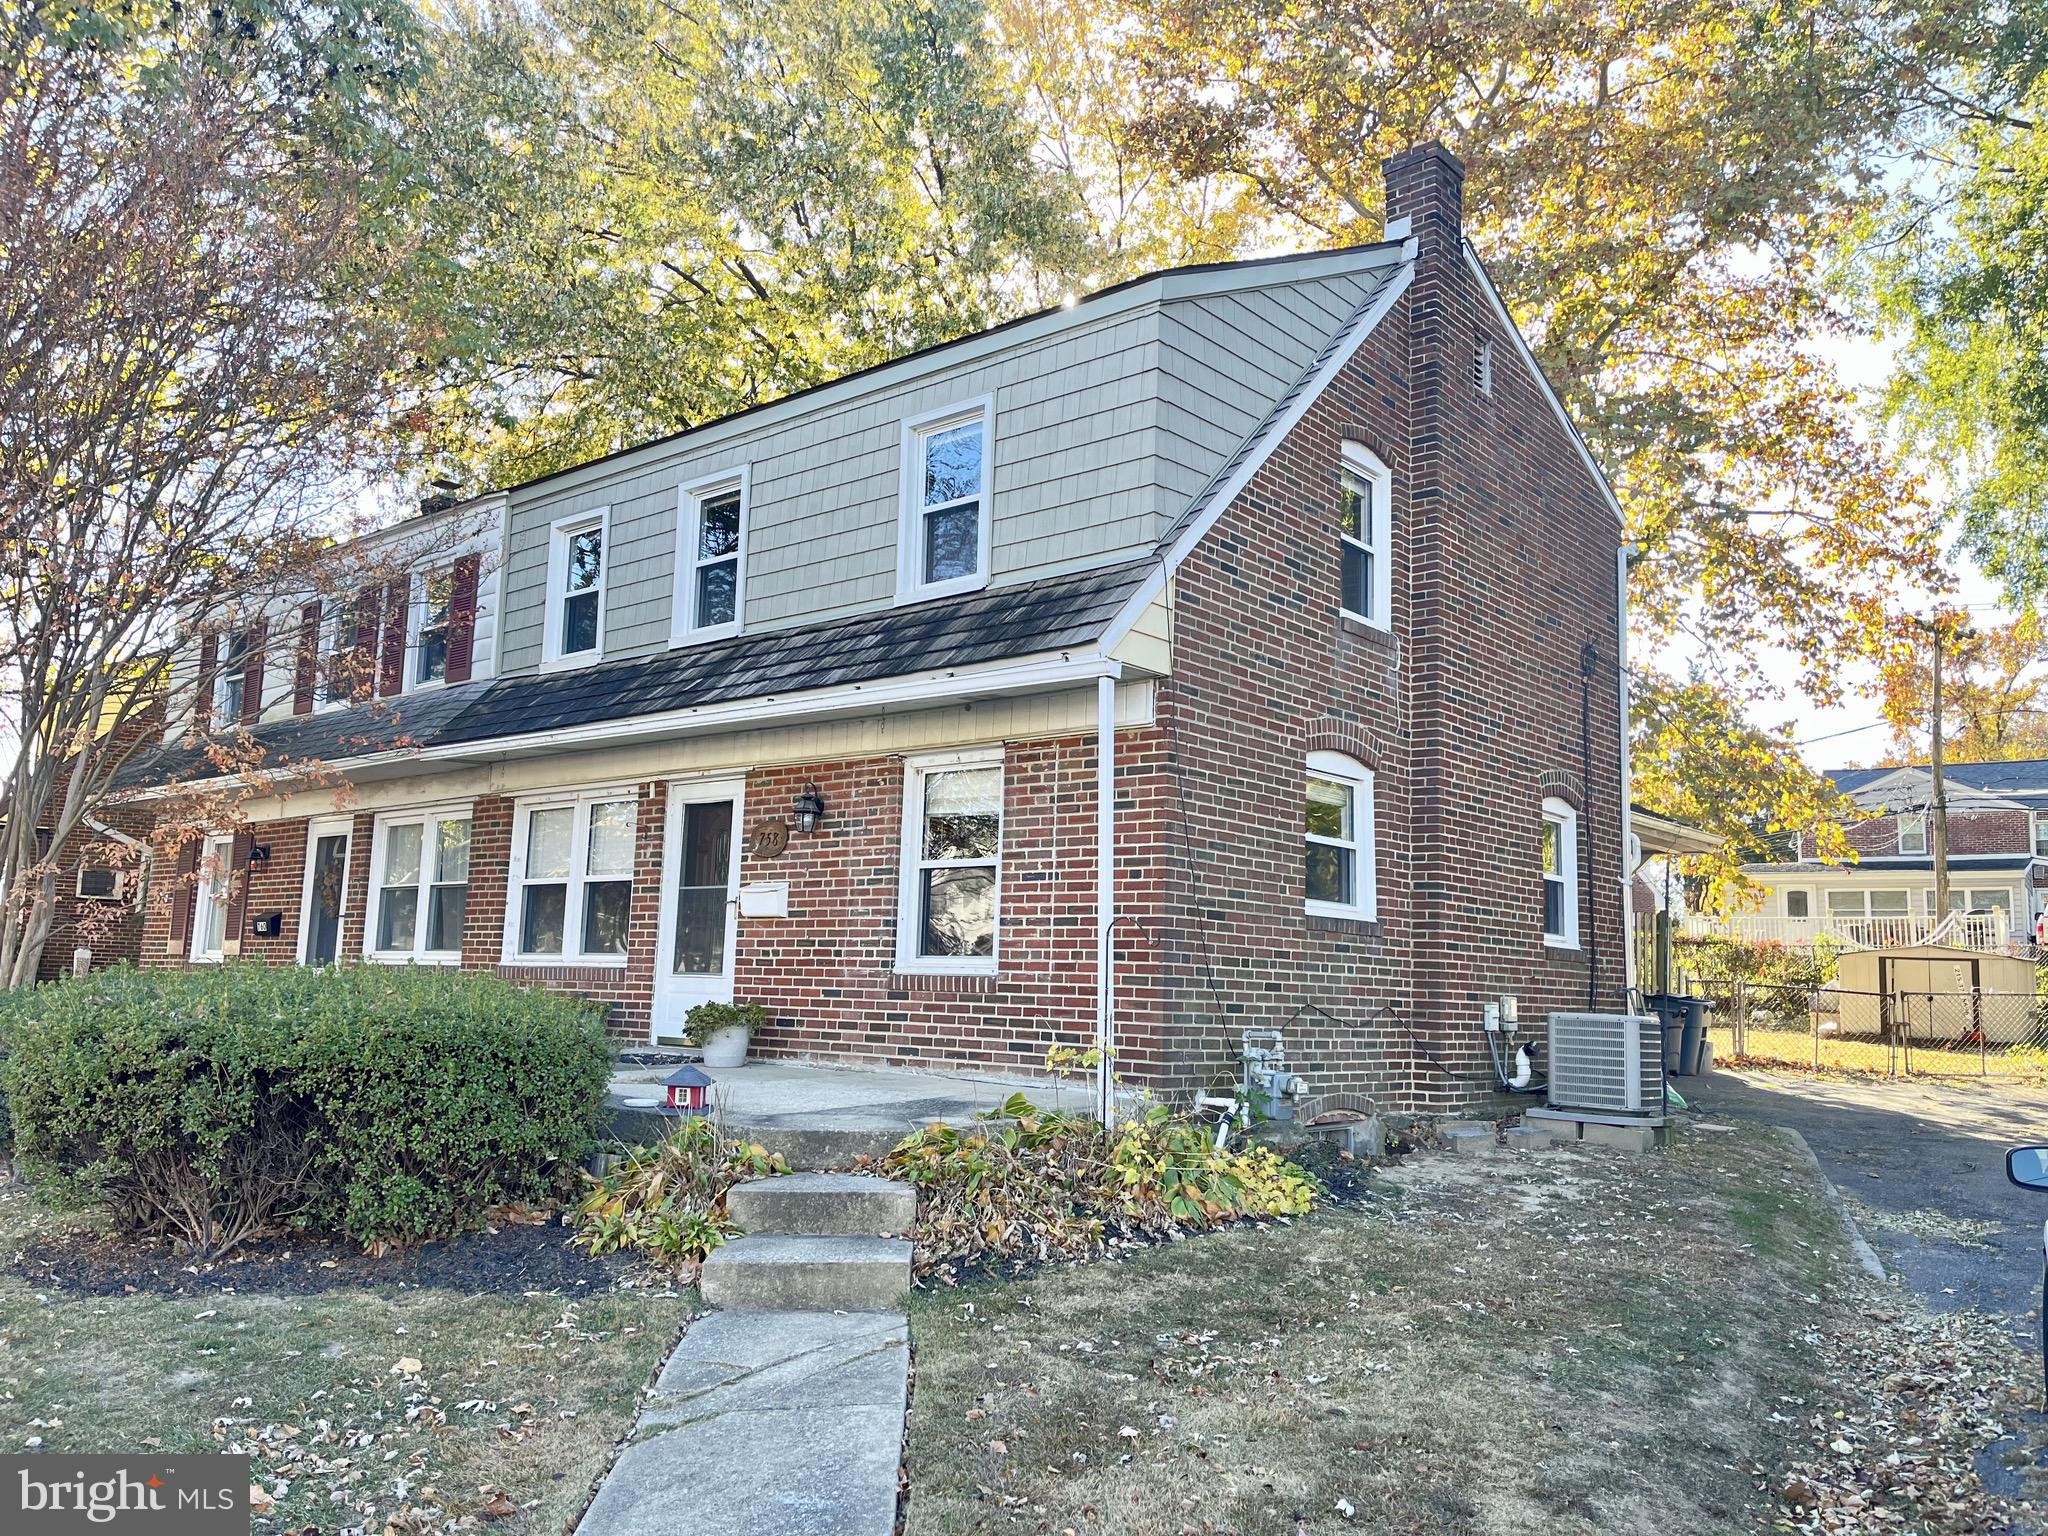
column 765, row 898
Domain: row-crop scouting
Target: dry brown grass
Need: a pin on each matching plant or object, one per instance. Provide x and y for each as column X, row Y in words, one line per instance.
column 1577, row 1341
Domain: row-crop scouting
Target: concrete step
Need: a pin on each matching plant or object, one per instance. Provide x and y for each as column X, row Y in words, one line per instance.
column 777, row 1272
column 823, row 1205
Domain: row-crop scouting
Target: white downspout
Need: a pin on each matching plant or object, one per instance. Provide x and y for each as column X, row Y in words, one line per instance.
column 1623, row 558
column 1105, row 894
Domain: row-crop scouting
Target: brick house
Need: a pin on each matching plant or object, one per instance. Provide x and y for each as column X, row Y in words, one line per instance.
column 1997, row 844
column 814, row 705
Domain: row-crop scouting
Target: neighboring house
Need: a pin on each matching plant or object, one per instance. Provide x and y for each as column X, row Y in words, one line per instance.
column 1997, row 858
column 811, row 705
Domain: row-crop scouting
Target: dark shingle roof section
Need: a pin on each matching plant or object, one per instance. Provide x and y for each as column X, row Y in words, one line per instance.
column 2024, row 779
column 1001, row 624
column 336, row 735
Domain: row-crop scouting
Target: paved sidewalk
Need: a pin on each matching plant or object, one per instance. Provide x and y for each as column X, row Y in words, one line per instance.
column 767, row 1424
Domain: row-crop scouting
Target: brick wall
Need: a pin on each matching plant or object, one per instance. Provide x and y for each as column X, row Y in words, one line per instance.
column 1968, row 832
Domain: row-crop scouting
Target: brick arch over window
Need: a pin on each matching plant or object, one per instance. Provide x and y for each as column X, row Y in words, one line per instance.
column 1358, row 742
column 1367, row 437
column 1564, row 784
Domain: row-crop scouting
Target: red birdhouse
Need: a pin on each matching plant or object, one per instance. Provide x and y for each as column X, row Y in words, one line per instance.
column 689, row 1091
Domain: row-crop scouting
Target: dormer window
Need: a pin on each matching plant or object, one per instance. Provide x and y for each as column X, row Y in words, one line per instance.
column 433, row 607
column 1912, row 832
column 231, row 679
column 943, row 543
column 576, row 584
column 710, row 557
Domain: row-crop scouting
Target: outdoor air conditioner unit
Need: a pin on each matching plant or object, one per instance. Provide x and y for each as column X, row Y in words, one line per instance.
column 1607, row 1064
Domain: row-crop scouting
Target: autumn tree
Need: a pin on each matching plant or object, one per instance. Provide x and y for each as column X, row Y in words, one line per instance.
column 198, row 209
column 1994, row 693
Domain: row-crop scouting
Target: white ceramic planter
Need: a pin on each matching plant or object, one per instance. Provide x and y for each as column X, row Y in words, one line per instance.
column 726, row 1048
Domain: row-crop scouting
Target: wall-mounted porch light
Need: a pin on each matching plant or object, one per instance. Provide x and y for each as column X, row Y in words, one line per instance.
column 809, row 809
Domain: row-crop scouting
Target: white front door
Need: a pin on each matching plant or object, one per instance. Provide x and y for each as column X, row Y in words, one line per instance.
column 699, row 901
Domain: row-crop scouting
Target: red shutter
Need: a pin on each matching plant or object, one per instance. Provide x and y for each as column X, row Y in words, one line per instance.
column 238, row 888
column 182, row 897
column 397, row 609
column 462, row 616
column 306, row 671
column 252, row 672
column 202, row 702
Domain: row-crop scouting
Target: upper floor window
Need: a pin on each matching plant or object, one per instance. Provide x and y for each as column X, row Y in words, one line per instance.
column 1560, row 875
column 944, row 537
column 710, row 557
column 348, row 647
column 576, row 578
column 1365, row 536
column 2041, row 834
column 572, row 878
column 231, row 678
column 1912, row 832
column 433, row 610
column 952, row 865
column 1340, row 855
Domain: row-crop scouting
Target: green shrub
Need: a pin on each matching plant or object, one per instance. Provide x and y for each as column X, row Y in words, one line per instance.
column 667, row 1202
column 217, row 1104
column 707, row 1019
column 1054, row 1186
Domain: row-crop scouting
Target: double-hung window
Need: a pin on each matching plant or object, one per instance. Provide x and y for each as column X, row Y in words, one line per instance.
column 574, row 628
column 710, row 557
column 231, row 678
column 1912, row 832
column 213, row 898
column 943, row 542
column 1339, row 854
column 419, row 892
column 1560, row 875
column 952, row 864
column 1365, row 519
column 433, row 606
column 347, row 663
column 572, row 878
column 2041, row 834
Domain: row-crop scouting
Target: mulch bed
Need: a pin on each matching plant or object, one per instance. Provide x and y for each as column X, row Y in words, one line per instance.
column 511, row 1259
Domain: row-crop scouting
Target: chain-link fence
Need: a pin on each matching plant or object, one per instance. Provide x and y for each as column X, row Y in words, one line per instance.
column 1890, row 1034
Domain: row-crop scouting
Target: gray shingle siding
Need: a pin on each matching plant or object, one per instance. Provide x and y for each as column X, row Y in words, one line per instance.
column 1103, row 431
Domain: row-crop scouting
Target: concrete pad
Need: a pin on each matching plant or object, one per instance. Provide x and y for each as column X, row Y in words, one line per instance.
column 1470, row 1142
column 1630, row 1138
column 1527, row 1138
column 767, row 1472
column 824, row 1205
column 777, row 1273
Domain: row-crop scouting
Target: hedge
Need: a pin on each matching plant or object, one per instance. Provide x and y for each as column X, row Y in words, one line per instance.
column 221, row 1103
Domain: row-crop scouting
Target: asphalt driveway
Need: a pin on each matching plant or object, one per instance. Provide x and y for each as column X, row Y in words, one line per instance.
column 1922, row 1163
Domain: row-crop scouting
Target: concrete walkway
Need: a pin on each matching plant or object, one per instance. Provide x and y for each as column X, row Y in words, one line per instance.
column 771, row 1424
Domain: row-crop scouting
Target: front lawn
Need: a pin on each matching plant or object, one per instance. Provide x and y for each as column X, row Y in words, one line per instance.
column 460, row 1383
column 1577, row 1341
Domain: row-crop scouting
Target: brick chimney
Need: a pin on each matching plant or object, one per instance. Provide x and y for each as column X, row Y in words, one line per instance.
column 1426, row 186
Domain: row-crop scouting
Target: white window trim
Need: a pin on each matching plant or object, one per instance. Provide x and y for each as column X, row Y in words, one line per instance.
column 1785, row 896
column 380, row 833
column 416, row 624
column 1364, row 844
column 1919, row 817
column 339, row 617
column 1567, row 820
column 2035, row 827
column 910, row 517
column 330, row 826
column 690, row 499
column 1366, row 464
column 559, row 531
column 580, row 801
column 910, row 864
column 217, row 852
